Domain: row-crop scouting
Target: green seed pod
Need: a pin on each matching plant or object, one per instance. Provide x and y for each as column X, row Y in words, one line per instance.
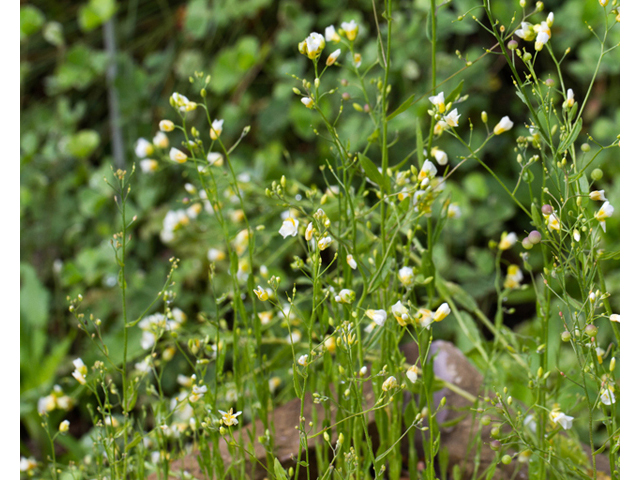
column 596, row 174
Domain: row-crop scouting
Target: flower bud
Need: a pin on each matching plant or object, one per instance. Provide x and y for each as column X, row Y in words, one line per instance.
column 485, row 117
column 512, row 45
column 535, row 237
column 547, row 209
column 596, row 174
column 565, row 336
column 495, row 445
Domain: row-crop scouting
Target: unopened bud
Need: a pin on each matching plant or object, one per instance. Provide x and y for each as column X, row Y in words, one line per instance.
column 485, row 117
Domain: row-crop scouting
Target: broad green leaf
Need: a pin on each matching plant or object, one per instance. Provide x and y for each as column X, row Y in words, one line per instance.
column 95, row 13
column 404, row 106
column 31, row 20
column 455, row 93
column 83, row 143
column 34, row 298
column 575, row 131
column 371, row 170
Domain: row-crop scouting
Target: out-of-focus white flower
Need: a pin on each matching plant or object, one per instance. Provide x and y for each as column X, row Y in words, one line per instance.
column 143, row 148
column 526, row 31
column 182, row 103
column 80, row 372
column 197, row 392
column 400, row 313
column 357, row 60
column 426, row 317
column 331, row 35
column 597, row 195
column 177, row 156
column 442, row 311
column 615, row 317
column 550, row 18
column 378, row 316
column 453, row 211
column 525, row 456
column 352, row 262
column 27, row 464
column 350, row 29
column 295, row 336
column 309, row 231
column 215, row 158
column 514, row 277
column 557, row 417
column 345, row 296
column 541, row 39
column 216, row 129
column 607, row 397
column 331, row 59
column 161, row 140
column 441, row 157
column 438, row 101
column 308, row 102
column 166, row 126
column 265, row 317
column 215, row 255
column 503, row 125
column 412, row 374
column 569, row 102
column 261, row 293
column 289, row 227
column 229, row 418
column 148, row 165
column 507, row 240
column 303, row 360
column 389, row 384
column 274, row 383
column 405, row 275
column 606, row 210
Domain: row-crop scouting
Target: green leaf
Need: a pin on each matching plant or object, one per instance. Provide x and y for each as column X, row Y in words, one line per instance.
column 83, row 143
column 34, row 298
column 455, row 93
column 31, row 20
column 280, row 473
column 95, row 13
column 404, row 106
column 567, row 142
column 371, row 170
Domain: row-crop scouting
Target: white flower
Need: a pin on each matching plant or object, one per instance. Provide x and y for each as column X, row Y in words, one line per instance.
column 615, row 317
column 597, row 195
column 553, row 222
column 513, row 278
column 80, row 372
column 352, row 262
column 177, row 156
column 438, row 101
column 440, row 156
column 412, row 374
column 261, row 293
column 313, row 45
column 350, row 29
column 503, row 125
column 308, row 102
column 453, row 211
column 401, row 313
column 295, row 337
column 452, row 118
column 229, row 418
column 570, row 98
column 64, row 426
column 530, row 423
column 216, row 129
column 606, row 210
column 526, row 31
column 215, row 158
column 197, row 392
column 308, row 233
column 148, row 165
column 330, row 34
column 289, row 228
column 389, row 384
column 442, row 311
column 405, row 275
column 565, row 421
column 27, row 464
column 331, row 59
column 550, row 19
column 161, row 140
column 166, row 125
column 143, row 148
column 607, row 397
column 324, row 243
column 507, row 241
column 426, row 318
column 215, row 255
column 428, row 170
column 303, row 360
column 345, row 296
column 541, row 39
column 378, row 316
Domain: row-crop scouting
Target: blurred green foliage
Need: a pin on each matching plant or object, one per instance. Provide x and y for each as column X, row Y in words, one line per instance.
column 250, row 49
